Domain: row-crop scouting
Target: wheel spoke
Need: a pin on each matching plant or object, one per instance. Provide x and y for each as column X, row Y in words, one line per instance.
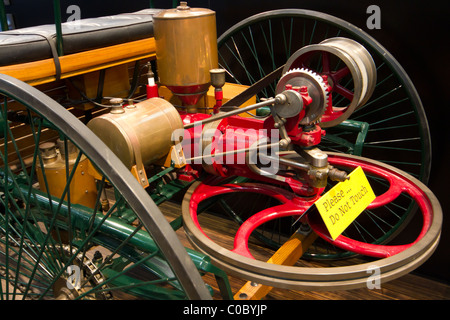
column 243, row 234
column 341, row 73
column 348, row 94
column 325, row 63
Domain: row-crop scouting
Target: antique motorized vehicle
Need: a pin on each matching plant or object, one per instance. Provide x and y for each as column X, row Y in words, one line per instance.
column 239, row 154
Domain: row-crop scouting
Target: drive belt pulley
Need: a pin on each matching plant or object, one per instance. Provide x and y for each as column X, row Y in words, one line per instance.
column 348, row 68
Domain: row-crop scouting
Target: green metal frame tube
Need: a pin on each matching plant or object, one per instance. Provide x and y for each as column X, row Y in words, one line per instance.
column 112, row 226
column 59, row 38
column 3, row 17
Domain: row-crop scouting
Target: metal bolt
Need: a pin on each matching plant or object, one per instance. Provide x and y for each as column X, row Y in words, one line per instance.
column 280, row 98
column 116, row 105
column 183, row 6
column 337, row 175
column 284, row 143
column 97, row 256
column 131, row 104
column 243, row 296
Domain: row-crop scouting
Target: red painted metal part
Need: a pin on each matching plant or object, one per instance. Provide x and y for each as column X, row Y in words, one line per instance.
column 397, row 185
column 218, row 96
column 239, row 133
column 152, row 91
column 230, row 131
column 330, row 76
column 189, row 95
column 293, row 205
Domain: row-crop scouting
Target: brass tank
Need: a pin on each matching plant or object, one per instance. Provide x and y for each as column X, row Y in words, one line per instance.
column 186, row 50
column 83, row 189
column 139, row 134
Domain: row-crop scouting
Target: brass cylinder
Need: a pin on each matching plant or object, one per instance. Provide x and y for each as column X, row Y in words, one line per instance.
column 83, row 189
column 186, row 49
column 143, row 131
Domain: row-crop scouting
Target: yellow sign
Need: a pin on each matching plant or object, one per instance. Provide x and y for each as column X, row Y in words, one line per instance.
column 344, row 202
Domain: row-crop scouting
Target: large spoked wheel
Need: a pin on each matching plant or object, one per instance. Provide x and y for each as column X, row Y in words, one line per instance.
column 56, row 245
column 392, row 187
column 390, row 126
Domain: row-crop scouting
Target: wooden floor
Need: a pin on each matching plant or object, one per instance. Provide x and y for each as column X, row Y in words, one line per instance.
column 408, row 287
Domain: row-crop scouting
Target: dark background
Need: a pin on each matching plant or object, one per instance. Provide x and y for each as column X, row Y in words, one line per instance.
column 414, row 32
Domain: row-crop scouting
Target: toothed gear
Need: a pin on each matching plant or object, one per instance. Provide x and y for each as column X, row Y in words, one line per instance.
column 317, row 90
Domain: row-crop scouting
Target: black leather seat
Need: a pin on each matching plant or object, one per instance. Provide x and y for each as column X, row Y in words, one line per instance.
column 34, row 43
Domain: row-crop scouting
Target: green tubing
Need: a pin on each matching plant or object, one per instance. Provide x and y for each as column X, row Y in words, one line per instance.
column 58, row 22
column 114, row 227
column 3, row 18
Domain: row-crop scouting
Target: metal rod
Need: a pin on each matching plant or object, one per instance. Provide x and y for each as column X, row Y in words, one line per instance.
column 287, row 162
column 234, row 151
column 59, row 39
column 278, row 99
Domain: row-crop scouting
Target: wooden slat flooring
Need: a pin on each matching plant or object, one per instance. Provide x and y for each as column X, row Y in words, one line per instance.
column 407, row 287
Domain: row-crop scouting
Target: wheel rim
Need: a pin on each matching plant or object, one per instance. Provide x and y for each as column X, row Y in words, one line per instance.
column 43, row 236
column 238, row 261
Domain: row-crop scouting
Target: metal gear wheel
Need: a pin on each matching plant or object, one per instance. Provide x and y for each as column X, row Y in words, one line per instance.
column 317, row 90
column 89, row 277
